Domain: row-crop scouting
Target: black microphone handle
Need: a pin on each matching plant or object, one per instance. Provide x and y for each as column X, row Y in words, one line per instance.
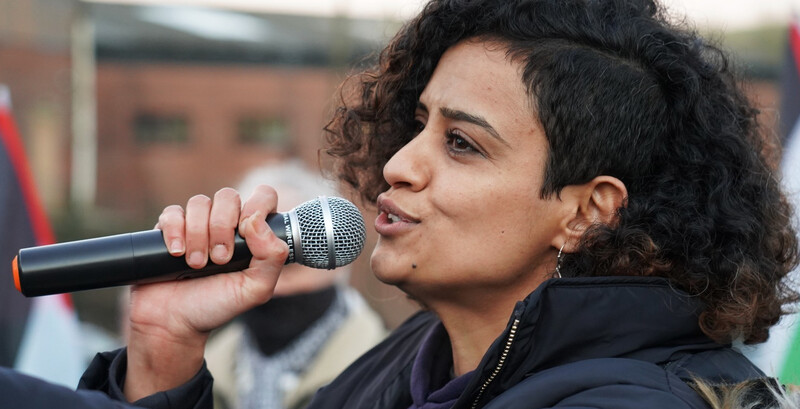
column 131, row 258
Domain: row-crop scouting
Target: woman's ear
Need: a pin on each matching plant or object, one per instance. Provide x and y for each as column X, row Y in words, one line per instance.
column 608, row 194
column 591, row 203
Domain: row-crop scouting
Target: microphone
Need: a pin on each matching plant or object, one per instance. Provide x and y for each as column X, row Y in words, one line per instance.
column 325, row 233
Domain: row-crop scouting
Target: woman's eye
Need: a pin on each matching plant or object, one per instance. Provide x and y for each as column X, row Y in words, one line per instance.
column 459, row 144
column 418, row 126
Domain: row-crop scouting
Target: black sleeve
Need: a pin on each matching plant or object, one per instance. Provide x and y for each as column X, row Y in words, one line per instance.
column 21, row 391
column 106, row 374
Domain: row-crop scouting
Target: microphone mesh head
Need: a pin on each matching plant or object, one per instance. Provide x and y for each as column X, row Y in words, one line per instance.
column 349, row 232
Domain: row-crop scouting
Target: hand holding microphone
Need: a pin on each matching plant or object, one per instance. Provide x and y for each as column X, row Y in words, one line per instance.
column 321, row 233
column 169, row 322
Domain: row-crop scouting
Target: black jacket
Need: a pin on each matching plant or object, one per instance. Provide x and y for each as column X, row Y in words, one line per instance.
column 19, row 391
column 604, row 343
column 610, row 342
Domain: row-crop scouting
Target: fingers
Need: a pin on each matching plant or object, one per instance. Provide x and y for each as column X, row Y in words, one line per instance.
column 171, row 223
column 269, row 255
column 263, row 244
column 264, row 200
column 206, row 229
column 269, row 252
column 198, row 210
column 223, row 221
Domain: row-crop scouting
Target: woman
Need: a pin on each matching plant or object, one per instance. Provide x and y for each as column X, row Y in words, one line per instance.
column 575, row 189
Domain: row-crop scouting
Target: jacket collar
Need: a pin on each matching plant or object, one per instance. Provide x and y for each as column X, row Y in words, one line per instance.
column 571, row 319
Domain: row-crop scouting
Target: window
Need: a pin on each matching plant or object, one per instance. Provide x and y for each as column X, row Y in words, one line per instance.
column 271, row 132
column 152, row 128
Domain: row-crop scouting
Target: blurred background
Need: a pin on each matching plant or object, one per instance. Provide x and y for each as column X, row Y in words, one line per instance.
column 125, row 107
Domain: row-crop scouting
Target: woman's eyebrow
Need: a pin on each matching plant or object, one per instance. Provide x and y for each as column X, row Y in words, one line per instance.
column 459, row 115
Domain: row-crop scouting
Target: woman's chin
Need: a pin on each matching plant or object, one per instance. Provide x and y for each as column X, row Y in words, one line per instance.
column 388, row 269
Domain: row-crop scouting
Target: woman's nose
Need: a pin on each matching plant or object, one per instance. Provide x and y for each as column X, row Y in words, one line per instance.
column 409, row 167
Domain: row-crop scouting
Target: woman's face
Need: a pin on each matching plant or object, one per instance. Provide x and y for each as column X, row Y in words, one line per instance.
column 463, row 217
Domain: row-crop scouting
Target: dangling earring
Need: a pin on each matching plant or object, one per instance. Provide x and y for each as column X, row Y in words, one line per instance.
column 558, row 261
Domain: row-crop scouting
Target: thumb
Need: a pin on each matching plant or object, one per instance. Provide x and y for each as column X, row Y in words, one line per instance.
column 269, row 256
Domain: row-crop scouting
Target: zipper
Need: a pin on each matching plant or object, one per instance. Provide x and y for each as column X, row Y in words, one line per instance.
column 509, row 342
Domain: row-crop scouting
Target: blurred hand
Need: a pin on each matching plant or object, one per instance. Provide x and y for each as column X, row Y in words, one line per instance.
column 170, row 321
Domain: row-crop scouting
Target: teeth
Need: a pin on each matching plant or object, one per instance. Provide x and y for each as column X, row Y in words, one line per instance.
column 394, row 218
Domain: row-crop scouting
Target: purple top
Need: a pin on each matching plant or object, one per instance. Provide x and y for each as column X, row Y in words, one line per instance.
column 432, row 382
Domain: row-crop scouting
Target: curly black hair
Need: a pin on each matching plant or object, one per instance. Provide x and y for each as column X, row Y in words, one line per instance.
column 620, row 90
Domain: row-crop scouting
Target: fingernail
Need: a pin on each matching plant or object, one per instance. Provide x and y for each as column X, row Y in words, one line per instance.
column 219, row 252
column 196, row 258
column 243, row 227
column 176, row 247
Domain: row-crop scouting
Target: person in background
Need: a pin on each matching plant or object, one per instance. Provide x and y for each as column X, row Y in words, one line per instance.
column 278, row 354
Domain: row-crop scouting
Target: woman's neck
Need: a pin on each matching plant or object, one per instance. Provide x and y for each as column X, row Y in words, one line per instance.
column 472, row 331
column 475, row 317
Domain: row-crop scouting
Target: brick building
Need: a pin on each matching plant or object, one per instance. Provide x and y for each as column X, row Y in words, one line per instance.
column 168, row 131
column 190, row 99
column 186, row 99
